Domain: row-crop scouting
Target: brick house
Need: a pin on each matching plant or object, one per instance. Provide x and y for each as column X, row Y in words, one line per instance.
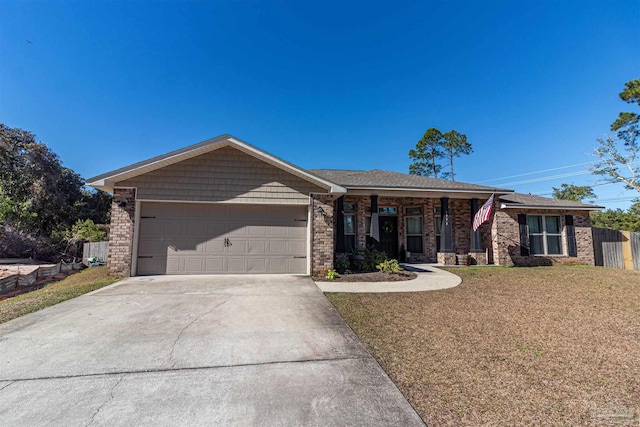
column 224, row 206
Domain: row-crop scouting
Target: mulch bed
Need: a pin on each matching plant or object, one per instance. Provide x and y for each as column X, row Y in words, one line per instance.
column 371, row 276
column 540, row 346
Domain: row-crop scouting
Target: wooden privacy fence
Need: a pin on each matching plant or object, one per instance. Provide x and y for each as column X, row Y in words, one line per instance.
column 616, row 249
column 98, row 250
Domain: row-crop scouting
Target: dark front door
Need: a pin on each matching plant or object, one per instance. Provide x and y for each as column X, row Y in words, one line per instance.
column 389, row 235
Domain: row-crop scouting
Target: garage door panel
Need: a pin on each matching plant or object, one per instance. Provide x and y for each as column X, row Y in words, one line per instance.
column 194, row 265
column 257, row 247
column 214, row 265
column 296, row 248
column 184, row 238
column 238, row 247
column 236, row 265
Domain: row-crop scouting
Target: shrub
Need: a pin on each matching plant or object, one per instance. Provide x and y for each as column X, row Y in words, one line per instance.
column 389, row 266
column 372, row 258
column 342, row 266
column 332, row 274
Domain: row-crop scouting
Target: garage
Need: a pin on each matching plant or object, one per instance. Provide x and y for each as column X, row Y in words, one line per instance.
column 209, row 238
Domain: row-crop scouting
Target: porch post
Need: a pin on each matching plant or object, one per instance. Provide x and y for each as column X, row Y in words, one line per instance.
column 446, row 243
column 340, row 225
column 476, row 240
column 374, row 223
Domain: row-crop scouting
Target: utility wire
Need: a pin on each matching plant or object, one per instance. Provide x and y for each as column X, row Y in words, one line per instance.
column 536, row 172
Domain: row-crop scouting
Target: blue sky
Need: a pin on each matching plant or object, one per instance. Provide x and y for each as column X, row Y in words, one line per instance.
column 345, row 85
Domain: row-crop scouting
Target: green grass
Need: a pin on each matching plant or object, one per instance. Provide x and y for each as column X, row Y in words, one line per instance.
column 75, row 285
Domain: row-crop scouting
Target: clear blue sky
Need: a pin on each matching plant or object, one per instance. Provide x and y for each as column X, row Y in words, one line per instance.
column 347, row 85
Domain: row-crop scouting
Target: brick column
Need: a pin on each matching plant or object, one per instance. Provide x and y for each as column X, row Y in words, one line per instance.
column 322, row 238
column 123, row 213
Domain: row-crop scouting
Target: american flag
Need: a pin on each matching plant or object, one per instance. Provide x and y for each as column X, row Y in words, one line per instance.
column 483, row 214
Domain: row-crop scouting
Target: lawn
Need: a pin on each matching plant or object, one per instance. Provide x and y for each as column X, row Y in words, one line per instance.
column 75, row 285
column 511, row 346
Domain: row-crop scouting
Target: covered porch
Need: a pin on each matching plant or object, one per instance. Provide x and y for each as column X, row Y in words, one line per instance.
column 412, row 229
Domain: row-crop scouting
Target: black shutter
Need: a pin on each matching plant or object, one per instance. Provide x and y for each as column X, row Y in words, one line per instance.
column 340, row 246
column 571, row 236
column 524, row 234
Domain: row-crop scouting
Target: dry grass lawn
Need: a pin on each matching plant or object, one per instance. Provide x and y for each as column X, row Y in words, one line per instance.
column 75, row 285
column 511, row 346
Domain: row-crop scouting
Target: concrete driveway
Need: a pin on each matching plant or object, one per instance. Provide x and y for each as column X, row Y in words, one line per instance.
column 194, row 350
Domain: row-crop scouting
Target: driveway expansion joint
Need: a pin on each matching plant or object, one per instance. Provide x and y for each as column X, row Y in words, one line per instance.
column 193, row 368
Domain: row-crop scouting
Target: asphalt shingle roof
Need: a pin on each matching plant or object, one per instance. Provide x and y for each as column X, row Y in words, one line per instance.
column 518, row 199
column 377, row 178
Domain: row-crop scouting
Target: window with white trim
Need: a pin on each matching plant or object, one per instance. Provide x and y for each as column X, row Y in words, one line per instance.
column 413, row 220
column 545, row 234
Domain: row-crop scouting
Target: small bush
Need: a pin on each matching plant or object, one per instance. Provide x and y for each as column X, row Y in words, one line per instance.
column 372, row 258
column 342, row 266
column 332, row 274
column 389, row 266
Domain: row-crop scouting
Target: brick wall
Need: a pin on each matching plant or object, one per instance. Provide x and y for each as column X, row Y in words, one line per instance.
column 322, row 241
column 121, row 232
column 506, row 239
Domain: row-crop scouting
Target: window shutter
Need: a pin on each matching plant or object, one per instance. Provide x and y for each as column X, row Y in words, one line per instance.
column 524, row 234
column 571, row 236
column 340, row 240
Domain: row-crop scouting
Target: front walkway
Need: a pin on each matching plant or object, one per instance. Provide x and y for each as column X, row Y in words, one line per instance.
column 429, row 278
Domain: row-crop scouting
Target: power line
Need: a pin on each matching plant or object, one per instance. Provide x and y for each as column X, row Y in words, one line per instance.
column 536, row 172
column 543, row 178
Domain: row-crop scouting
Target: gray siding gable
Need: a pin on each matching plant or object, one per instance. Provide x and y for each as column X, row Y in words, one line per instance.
column 224, row 175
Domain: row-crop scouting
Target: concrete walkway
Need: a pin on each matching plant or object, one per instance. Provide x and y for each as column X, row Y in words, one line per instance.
column 194, row 351
column 429, row 278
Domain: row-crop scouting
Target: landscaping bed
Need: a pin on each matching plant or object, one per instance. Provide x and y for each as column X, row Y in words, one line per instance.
column 511, row 346
column 371, row 276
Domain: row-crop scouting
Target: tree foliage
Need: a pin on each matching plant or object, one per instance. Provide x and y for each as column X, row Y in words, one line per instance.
column 576, row 193
column 429, row 149
column 618, row 155
column 40, row 199
column 455, row 144
column 435, row 146
column 617, row 219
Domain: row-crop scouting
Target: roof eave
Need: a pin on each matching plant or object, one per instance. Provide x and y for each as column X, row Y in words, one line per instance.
column 559, row 208
column 429, row 190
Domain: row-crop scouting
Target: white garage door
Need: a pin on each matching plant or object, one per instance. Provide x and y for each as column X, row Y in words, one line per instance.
column 192, row 238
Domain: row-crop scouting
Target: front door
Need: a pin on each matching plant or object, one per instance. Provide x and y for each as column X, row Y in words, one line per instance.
column 389, row 235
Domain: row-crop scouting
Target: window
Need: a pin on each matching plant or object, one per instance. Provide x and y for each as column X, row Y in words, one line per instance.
column 349, row 210
column 545, row 234
column 388, row 210
column 414, row 229
column 367, row 226
column 350, row 232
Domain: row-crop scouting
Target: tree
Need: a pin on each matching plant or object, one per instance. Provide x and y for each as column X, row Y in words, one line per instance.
column 426, row 154
column 37, row 193
column 40, row 199
column 455, row 144
column 618, row 156
column 576, row 193
column 617, row 219
column 434, row 146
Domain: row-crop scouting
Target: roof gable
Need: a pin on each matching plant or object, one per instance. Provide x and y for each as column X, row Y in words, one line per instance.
column 107, row 180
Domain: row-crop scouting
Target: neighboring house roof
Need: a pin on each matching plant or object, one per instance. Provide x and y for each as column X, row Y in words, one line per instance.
column 517, row 200
column 107, row 180
column 386, row 180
